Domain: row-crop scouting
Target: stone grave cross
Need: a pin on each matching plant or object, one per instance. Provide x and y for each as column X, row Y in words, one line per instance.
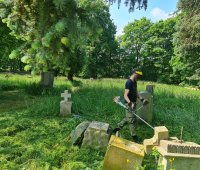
column 65, row 105
column 66, row 95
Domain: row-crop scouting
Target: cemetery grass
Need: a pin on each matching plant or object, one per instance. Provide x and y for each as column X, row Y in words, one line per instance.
column 33, row 136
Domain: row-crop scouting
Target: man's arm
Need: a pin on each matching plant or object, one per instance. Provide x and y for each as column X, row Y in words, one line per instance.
column 126, row 92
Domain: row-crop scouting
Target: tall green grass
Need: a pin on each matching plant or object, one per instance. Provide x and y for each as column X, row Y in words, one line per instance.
column 32, row 135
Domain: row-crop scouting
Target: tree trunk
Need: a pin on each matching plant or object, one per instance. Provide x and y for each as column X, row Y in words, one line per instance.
column 70, row 75
column 47, row 79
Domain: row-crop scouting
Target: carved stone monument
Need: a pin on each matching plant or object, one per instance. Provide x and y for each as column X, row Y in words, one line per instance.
column 174, row 154
column 179, row 155
column 65, row 105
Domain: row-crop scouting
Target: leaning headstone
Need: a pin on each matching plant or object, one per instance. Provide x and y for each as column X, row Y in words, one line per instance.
column 146, row 112
column 96, row 135
column 78, row 134
column 179, row 155
column 65, row 105
column 123, row 154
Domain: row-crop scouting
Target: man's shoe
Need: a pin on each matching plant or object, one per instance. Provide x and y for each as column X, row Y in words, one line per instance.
column 115, row 130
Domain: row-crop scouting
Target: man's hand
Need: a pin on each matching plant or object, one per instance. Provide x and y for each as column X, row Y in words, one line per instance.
column 144, row 101
column 131, row 105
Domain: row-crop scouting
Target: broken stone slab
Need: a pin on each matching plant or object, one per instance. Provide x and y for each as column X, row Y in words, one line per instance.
column 160, row 133
column 123, row 154
column 179, row 156
column 78, row 134
column 146, row 112
column 96, row 135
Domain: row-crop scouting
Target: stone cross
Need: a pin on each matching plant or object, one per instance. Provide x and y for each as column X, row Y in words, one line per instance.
column 65, row 105
column 66, row 95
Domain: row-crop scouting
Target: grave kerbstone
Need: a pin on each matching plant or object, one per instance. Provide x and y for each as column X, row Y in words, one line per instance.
column 179, row 155
column 96, row 135
column 123, row 154
column 65, row 105
column 78, row 134
column 147, row 111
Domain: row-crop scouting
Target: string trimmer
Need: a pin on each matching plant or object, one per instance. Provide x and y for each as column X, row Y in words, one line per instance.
column 117, row 101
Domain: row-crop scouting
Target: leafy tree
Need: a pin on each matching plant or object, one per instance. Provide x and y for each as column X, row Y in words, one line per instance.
column 186, row 62
column 159, row 50
column 102, row 60
column 148, row 46
column 133, row 43
column 52, row 30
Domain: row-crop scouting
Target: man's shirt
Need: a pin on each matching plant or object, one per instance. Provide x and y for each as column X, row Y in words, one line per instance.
column 132, row 86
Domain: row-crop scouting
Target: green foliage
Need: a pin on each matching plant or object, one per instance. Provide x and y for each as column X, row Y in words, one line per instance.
column 187, row 48
column 148, row 46
column 7, row 44
column 102, row 60
column 133, row 42
column 33, row 135
column 160, row 50
column 53, row 31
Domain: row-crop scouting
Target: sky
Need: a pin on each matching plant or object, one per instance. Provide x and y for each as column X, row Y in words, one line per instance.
column 156, row 10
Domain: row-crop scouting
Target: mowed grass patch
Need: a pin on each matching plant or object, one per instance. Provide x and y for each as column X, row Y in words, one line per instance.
column 34, row 136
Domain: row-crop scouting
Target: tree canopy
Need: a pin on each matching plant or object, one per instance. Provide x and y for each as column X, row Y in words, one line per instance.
column 52, row 31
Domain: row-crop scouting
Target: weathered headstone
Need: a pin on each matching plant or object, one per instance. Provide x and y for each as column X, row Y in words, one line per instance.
column 96, row 135
column 65, row 105
column 78, row 134
column 47, row 79
column 179, row 155
column 150, row 89
column 123, row 154
column 147, row 111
